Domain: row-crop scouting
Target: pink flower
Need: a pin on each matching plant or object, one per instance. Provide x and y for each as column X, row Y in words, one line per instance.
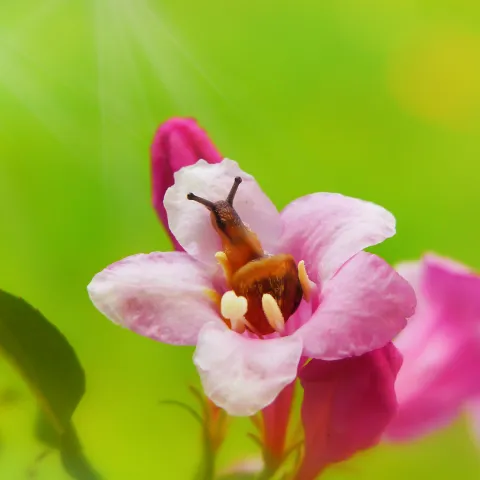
column 250, row 324
column 346, row 406
column 178, row 142
column 440, row 346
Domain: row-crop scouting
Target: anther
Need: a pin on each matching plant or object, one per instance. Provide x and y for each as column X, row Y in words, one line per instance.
column 224, row 263
column 234, row 309
column 272, row 312
column 305, row 282
column 233, row 190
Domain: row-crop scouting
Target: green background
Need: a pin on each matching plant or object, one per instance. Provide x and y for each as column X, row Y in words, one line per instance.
column 375, row 99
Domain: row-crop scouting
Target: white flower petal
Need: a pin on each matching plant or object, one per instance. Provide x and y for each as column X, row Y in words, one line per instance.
column 190, row 222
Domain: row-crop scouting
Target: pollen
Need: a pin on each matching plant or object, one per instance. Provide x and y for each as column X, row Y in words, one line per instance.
column 305, row 281
column 272, row 312
column 234, row 309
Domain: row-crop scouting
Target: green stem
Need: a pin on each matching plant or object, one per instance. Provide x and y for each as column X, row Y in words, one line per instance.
column 207, row 469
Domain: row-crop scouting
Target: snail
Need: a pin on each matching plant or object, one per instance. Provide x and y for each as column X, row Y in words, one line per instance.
column 265, row 289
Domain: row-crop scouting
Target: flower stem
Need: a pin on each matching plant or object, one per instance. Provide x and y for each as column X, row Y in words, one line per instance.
column 207, row 468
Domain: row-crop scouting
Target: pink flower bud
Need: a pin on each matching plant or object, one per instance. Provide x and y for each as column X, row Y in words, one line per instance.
column 178, row 142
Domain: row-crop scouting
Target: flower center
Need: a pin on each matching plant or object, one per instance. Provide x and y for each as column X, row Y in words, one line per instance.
column 265, row 289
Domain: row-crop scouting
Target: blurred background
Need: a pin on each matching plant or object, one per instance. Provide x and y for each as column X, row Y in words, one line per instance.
column 374, row 99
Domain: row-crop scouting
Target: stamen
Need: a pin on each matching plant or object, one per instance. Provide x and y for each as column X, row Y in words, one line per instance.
column 210, row 205
column 238, row 325
column 305, row 282
column 272, row 312
column 233, row 191
column 234, row 308
column 224, row 263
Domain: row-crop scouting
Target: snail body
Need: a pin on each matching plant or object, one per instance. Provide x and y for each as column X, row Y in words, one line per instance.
column 251, row 273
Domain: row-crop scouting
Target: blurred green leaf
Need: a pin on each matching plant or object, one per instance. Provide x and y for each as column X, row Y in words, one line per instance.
column 68, row 444
column 49, row 365
column 73, row 458
column 9, row 397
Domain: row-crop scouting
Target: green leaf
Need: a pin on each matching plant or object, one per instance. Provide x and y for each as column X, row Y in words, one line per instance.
column 185, row 407
column 71, row 454
column 73, row 458
column 49, row 365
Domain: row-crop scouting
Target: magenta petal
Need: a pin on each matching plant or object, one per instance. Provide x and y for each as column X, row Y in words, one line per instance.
column 362, row 308
column 326, row 229
column 441, row 348
column 276, row 418
column 178, row 142
column 243, row 375
column 451, row 286
column 434, row 385
column 346, row 406
column 163, row 296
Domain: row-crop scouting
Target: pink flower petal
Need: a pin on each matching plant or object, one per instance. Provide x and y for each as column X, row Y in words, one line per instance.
column 190, row 222
column 452, row 287
column 276, row 418
column 162, row 296
column 346, row 406
column 434, row 384
column 300, row 317
column 243, row 375
column 362, row 308
column 415, row 334
column 178, row 142
column 412, row 272
column 327, row 229
column 441, row 348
